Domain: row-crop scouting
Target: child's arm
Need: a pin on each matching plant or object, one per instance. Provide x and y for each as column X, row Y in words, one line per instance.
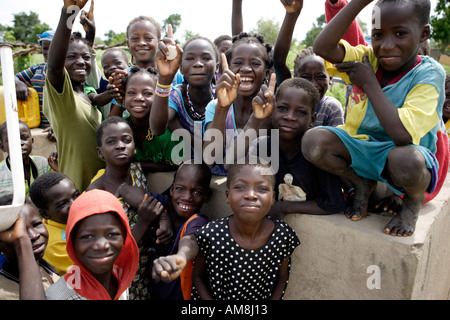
column 160, row 113
column 226, row 93
column 198, row 277
column 327, row 44
column 263, row 105
column 170, row 267
column 362, row 75
column 30, row 281
column 284, row 39
column 60, row 44
column 280, row 283
column 101, row 99
column 88, row 23
column 237, row 22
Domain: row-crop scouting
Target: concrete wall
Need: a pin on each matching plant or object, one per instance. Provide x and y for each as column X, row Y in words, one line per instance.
column 338, row 258
column 342, row 259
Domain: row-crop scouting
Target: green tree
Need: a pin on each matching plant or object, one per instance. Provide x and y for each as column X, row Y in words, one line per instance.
column 28, row 26
column 312, row 34
column 441, row 26
column 268, row 28
column 189, row 34
column 174, row 20
column 113, row 38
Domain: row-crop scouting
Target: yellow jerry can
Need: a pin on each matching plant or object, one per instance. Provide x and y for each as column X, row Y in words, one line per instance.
column 28, row 111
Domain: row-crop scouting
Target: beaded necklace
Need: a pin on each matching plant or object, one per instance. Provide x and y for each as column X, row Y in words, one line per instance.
column 192, row 113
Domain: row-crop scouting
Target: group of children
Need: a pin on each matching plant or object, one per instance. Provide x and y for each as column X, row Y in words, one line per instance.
column 119, row 240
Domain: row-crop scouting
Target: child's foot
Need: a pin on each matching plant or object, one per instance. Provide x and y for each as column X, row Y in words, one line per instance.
column 358, row 209
column 404, row 223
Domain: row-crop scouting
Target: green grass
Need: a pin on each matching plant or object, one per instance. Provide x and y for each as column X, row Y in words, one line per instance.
column 446, row 67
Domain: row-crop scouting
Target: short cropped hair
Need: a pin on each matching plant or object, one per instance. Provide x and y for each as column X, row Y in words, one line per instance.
column 104, row 124
column 304, row 84
column 4, row 129
column 235, row 168
column 421, row 8
column 42, row 184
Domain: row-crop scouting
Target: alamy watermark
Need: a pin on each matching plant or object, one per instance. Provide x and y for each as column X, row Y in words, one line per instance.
column 374, row 280
column 73, row 11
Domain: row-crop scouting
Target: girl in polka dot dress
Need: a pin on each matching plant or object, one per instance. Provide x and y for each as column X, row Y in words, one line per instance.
column 245, row 256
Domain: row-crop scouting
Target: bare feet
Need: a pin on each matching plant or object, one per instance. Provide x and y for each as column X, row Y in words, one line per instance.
column 358, row 209
column 404, row 223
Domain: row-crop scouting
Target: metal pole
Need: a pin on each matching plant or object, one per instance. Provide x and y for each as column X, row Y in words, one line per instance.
column 9, row 214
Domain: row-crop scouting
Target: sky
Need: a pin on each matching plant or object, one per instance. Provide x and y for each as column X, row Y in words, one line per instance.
column 209, row 18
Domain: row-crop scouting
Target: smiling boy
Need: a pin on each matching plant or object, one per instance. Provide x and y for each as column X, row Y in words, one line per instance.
column 393, row 116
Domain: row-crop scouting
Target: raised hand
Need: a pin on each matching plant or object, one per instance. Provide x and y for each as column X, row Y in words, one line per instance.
column 227, row 87
column 116, row 80
column 79, row 3
column 87, row 18
column 292, row 6
column 264, row 102
column 168, row 67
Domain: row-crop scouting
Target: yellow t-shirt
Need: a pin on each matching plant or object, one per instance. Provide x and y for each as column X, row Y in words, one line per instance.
column 56, row 253
column 418, row 110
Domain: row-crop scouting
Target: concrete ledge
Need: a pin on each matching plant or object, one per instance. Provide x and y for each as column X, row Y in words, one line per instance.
column 339, row 257
column 343, row 259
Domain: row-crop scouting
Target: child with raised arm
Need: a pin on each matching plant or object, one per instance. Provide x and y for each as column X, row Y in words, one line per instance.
column 308, row 66
column 24, row 245
column 249, row 64
column 245, row 256
column 33, row 166
column 74, row 120
column 53, row 193
column 154, row 152
column 184, row 106
column 392, row 120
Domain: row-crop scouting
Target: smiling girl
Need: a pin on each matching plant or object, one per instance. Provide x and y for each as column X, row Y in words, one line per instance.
column 154, row 152
column 74, row 120
column 245, row 256
column 249, row 63
column 186, row 104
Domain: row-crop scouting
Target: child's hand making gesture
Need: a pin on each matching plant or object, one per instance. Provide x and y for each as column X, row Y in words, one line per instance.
column 264, row 102
column 168, row 60
column 88, row 23
column 227, row 87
